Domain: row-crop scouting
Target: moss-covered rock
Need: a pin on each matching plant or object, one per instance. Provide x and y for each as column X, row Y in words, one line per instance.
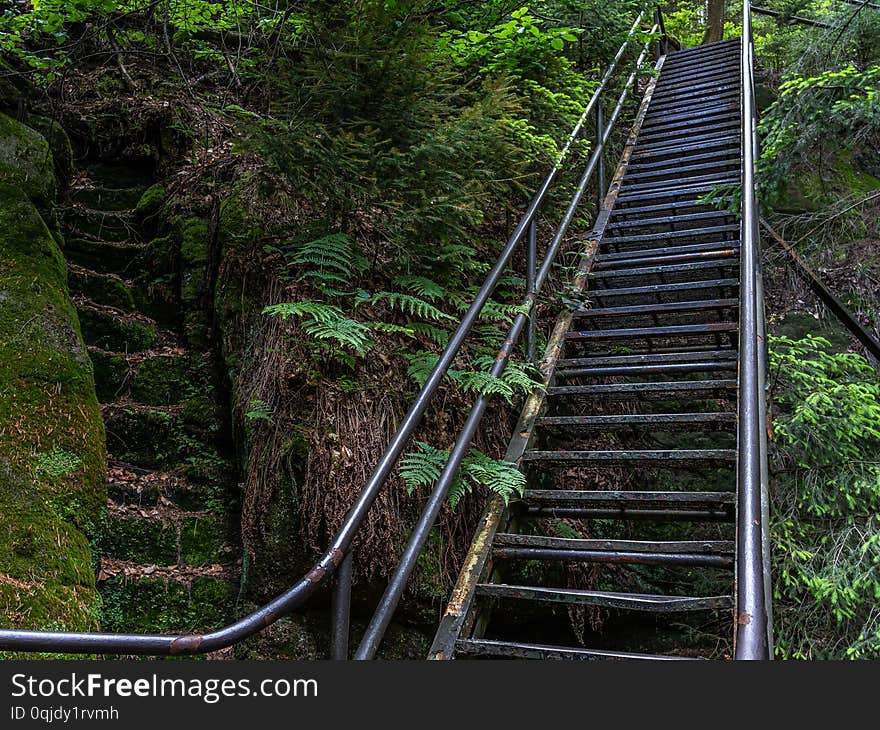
column 151, row 200
column 111, row 330
column 111, row 373
column 141, row 540
column 26, row 161
column 108, row 289
column 161, row 381
column 106, row 257
column 201, row 541
column 59, row 143
column 52, row 459
column 157, row 605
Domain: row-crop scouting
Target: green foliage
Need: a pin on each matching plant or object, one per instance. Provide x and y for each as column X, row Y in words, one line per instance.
column 411, row 305
column 326, row 322
column 423, row 468
column 827, row 496
column 55, row 463
column 516, row 379
column 328, row 261
column 259, row 410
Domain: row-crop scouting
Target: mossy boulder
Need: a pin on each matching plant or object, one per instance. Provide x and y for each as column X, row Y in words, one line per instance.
column 158, row 605
column 52, row 457
column 150, row 200
column 141, row 540
column 111, row 330
column 58, row 141
column 26, row 162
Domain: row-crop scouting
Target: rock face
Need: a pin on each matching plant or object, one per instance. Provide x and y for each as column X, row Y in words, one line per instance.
column 52, row 458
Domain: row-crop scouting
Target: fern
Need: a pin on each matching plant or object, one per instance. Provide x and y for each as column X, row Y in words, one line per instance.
column 435, row 334
column 482, row 382
column 421, row 286
column 411, row 305
column 326, row 322
column 523, row 378
column 497, row 312
column 404, row 329
column 332, row 259
column 423, row 468
column 498, row 476
column 420, row 365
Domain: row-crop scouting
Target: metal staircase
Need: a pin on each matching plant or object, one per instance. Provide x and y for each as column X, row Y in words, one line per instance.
column 641, row 395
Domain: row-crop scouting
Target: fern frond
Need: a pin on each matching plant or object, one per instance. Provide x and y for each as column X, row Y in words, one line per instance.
column 411, row 305
column 498, row 476
column 435, row 334
column 422, row 286
column 331, row 257
column 420, row 365
column 344, row 331
column 315, row 310
column 422, row 468
column 522, row 377
column 498, row 312
column 403, row 329
column 482, row 382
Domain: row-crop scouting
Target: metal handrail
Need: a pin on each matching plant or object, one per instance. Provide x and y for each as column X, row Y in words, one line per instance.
column 419, row 537
column 752, row 638
column 339, row 549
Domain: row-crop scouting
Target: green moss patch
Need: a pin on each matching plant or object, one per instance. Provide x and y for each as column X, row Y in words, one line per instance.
column 151, row 200
column 109, row 331
column 26, row 161
column 161, row 381
column 106, row 257
column 104, row 288
column 153, row 604
column 52, row 459
column 201, row 541
column 111, row 372
column 141, row 540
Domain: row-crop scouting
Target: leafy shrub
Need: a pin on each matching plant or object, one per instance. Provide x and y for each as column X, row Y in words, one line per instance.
column 826, row 530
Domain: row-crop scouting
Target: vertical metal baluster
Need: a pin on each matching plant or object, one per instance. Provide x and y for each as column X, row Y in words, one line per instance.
column 532, row 266
column 341, row 610
column 600, row 133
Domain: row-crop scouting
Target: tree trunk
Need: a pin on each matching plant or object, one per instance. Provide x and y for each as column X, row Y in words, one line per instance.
column 715, row 25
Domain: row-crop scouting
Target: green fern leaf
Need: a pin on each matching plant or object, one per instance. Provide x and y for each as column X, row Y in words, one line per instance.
column 421, row 286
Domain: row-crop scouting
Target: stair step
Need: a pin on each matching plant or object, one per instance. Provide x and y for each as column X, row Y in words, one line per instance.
column 729, row 95
column 605, row 275
column 106, row 256
column 672, row 141
column 653, row 456
column 718, row 180
column 648, row 390
column 633, row 257
column 699, row 305
column 691, row 553
column 678, row 169
column 677, row 132
column 660, row 369
column 688, row 117
column 722, row 153
column 721, row 215
column 517, row 650
column 660, row 207
column 682, row 258
column 628, row 499
column 715, row 231
column 651, row 505
column 722, row 143
column 648, row 332
column 647, row 359
column 656, row 289
column 605, row 599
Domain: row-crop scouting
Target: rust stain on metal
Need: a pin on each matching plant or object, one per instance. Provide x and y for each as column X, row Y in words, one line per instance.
column 186, row 644
column 316, row 574
column 269, row 618
column 337, row 556
column 744, row 618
